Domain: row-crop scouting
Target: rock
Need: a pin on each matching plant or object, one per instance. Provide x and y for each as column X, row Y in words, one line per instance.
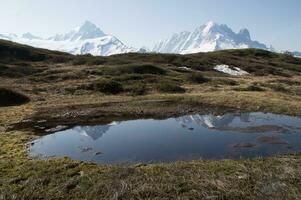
column 81, row 173
column 244, row 145
column 97, row 153
column 26, row 120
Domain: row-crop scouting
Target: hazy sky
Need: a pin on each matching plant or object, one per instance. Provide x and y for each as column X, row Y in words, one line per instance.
column 144, row 22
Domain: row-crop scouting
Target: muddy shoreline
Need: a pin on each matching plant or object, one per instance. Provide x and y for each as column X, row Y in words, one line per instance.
column 47, row 119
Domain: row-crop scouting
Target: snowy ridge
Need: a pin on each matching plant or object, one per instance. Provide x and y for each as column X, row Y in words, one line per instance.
column 208, row 37
column 85, row 39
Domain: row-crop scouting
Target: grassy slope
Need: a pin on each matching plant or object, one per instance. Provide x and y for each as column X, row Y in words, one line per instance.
column 58, row 83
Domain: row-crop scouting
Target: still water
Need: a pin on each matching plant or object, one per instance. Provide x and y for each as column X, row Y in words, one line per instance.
column 191, row 137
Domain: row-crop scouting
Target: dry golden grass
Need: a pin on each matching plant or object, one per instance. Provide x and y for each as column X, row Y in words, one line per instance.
column 61, row 178
column 55, row 89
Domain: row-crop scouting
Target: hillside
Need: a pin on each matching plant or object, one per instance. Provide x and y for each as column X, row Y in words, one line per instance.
column 45, row 90
column 253, row 60
column 11, row 52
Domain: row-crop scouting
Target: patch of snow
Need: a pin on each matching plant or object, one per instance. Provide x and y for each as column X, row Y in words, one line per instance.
column 235, row 71
column 185, row 68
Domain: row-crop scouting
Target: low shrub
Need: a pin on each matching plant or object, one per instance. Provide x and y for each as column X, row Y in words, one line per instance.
column 279, row 88
column 197, row 78
column 11, row 98
column 272, row 71
column 97, row 61
column 18, row 71
column 81, row 60
column 286, row 81
column 133, row 77
column 138, row 89
column 225, row 81
column 251, row 88
column 170, row 88
column 106, row 87
column 134, row 69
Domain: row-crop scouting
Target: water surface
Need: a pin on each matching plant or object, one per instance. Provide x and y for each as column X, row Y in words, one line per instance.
column 191, row 137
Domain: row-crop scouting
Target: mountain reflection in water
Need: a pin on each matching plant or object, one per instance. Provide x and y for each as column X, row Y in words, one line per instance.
column 235, row 122
column 213, row 122
column 207, row 121
column 94, row 132
column 232, row 135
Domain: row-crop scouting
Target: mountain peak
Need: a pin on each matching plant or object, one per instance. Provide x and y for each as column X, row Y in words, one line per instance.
column 213, row 27
column 209, row 26
column 29, row 36
column 87, row 30
column 87, row 25
column 244, row 34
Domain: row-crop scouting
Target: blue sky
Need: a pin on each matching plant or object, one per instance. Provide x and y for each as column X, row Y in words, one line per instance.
column 144, row 22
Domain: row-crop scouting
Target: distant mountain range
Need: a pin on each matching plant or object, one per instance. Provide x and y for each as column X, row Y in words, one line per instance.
column 296, row 53
column 85, row 39
column 89, row 39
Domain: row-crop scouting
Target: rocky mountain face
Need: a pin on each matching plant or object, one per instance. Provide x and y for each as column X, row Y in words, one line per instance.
column 208, row 37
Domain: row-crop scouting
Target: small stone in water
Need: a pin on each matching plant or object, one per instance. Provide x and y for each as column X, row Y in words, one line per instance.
column 244, row 145
column 98, row 153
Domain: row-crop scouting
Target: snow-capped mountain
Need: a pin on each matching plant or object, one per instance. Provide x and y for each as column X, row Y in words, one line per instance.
column 89, row 39
column 297, row 54
column 85, row 39
column 86, row 31
column 208, row 37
